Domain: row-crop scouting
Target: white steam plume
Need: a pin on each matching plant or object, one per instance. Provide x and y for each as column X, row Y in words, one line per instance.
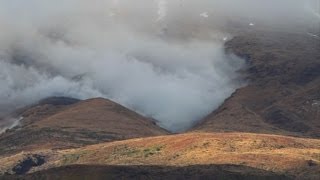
column 162, row 9
column 113, row 49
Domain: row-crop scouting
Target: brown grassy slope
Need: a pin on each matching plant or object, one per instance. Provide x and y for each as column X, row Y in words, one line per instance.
column 283, row 95
column 39, row 110
column 291, row 156
column 86, row 122
column 102, row 115
column 44, row 108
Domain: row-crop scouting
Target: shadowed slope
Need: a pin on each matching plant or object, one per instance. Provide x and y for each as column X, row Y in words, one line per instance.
column 283, row 95
column 214, row 172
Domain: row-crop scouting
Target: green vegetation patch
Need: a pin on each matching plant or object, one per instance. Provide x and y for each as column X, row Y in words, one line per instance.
column 136, row 152
column 125, row 150
column 71, row 158
column 152, row 151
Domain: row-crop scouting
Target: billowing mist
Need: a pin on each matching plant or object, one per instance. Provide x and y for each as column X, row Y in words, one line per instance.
column 162, row 58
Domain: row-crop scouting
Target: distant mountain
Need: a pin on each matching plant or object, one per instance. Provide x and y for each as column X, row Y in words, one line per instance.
column 65, row 123
column 283, row 93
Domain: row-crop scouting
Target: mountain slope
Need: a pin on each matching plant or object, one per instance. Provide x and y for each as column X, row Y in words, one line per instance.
column 283, row 93
column 247, row 154
column 52, row 125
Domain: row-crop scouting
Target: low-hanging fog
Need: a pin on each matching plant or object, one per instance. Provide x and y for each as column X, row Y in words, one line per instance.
column 162, row 58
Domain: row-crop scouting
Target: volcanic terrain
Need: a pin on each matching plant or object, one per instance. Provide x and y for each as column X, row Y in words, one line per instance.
column 268, row 129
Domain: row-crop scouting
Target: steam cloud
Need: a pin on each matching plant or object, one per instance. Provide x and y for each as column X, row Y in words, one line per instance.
column 160, row 58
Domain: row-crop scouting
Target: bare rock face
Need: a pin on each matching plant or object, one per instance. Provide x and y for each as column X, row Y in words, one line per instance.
column 283, row 90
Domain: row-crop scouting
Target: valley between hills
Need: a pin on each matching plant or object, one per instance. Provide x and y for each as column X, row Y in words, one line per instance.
column 268, row 129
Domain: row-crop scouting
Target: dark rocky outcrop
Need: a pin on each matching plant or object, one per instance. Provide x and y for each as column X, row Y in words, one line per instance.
column 26, row 164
